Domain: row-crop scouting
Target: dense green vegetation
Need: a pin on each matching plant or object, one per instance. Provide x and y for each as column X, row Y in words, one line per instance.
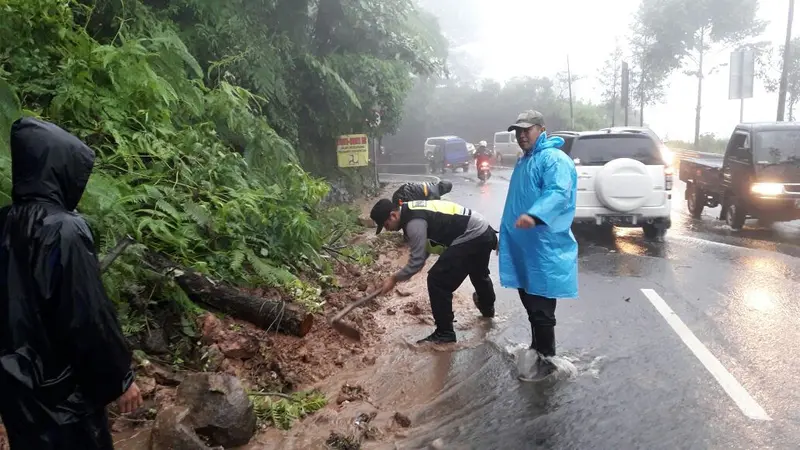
column 214, row 122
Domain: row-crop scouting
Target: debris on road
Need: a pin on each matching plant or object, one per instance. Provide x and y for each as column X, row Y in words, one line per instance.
column 402, row 420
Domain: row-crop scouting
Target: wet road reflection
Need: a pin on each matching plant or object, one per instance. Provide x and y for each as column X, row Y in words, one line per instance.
column 638, row 386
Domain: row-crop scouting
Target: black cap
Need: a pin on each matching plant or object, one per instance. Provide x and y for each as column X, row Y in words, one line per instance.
column 380, row 212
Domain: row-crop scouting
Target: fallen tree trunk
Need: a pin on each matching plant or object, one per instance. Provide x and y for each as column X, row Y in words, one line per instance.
column 288, row 318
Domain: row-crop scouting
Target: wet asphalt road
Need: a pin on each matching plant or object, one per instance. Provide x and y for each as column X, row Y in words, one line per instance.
column 639, row 384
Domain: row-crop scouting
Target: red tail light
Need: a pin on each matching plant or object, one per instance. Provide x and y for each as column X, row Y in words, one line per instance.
column 668, row 173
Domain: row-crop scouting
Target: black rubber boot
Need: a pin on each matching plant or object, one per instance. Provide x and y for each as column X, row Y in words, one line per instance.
column 544, row 340
column 439, row 337
column 544, row 368
column 487, row 313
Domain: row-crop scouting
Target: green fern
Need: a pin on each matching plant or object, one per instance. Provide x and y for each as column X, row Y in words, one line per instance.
column 281, row 413
column 195, row 121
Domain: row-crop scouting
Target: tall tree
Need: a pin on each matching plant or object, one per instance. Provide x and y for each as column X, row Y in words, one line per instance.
column 769, row 64
column 648, row 71
column 683, row 32
column 610, row 78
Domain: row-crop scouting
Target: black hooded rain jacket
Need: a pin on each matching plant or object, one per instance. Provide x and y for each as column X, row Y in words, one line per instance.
column 63, row 357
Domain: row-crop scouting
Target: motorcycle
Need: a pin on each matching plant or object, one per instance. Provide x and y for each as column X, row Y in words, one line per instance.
column 484, row 171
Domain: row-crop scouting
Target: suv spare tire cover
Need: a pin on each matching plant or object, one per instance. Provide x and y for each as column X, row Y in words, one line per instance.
column 623, row 185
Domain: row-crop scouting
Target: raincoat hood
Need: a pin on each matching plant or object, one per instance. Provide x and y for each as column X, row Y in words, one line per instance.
column 544, row 142
column 542, row 260
column 48, row 164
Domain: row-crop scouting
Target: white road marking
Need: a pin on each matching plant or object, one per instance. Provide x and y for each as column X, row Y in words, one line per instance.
column 732, row 387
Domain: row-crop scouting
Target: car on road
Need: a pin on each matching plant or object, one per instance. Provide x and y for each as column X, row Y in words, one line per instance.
column 568, row 136
column 757, row 177
column 623, row 180
column 505, row 147
column 668, row 154
column 454, row 153
column 432, row 142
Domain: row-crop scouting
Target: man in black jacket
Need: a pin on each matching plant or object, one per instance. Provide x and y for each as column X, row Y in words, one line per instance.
column 468, row 241
column 421, row 191
column 63, row 357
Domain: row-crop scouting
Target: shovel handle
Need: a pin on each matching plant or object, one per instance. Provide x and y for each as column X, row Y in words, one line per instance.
column 355, row 305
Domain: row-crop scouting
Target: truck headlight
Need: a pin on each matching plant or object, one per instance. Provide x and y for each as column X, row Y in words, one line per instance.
column 768, row 189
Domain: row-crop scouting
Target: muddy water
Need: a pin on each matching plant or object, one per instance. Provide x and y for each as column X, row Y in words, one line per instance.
column 466, row 396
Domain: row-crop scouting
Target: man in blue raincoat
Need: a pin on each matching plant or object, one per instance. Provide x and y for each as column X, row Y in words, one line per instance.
column 538, row 253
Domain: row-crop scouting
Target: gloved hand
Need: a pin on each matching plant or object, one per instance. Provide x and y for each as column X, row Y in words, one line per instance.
column 434, row 249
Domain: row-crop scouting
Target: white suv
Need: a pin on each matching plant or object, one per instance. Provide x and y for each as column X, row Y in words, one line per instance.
column 623, row 180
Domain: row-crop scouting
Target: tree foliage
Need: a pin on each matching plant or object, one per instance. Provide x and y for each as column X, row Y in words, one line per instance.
column 610, row 78
column 197, row 110
column 648, row 71
column 679, row 33
column 769, row 66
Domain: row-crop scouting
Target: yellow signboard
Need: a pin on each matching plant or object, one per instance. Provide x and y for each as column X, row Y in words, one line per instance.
column 352, row 150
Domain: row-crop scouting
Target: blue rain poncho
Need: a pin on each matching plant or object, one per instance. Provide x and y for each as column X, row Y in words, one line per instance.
column 542, row 260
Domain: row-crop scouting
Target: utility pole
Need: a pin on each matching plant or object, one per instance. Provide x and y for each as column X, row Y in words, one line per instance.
column 624, row 90
column 785, row 72
column 614, row 97
column 569, row 85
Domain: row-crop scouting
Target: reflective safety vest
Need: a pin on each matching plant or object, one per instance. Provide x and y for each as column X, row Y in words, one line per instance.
column 446, row 220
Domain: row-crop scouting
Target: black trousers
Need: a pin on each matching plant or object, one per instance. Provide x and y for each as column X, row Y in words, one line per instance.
column 91, row 433
column 542, row 316
column 459, row 261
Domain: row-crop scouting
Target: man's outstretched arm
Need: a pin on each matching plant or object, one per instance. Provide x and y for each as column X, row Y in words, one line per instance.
column 417, row 233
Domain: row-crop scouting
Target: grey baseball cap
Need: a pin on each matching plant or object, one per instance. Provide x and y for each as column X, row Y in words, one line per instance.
column 528, row 119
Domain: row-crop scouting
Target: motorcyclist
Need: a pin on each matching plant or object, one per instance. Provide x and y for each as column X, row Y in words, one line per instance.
column 482, row 154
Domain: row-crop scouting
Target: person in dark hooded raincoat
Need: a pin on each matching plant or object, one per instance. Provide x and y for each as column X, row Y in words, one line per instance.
column 63, row 357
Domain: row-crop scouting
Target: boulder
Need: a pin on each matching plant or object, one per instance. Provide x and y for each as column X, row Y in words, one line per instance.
column 210, row 407
column 172, row 431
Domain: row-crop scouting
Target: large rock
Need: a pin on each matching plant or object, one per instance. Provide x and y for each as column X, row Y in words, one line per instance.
column 172, row 431
column 208, row 406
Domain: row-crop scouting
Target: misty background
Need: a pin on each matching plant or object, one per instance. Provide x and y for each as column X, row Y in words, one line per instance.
column 508, row 55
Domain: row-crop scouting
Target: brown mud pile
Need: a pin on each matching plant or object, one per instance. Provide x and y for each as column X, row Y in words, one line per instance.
column 323, row 359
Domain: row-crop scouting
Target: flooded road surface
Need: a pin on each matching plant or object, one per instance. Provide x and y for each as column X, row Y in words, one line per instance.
column 689, row 343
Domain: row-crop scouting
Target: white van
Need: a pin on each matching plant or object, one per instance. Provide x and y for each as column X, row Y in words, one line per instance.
column 506, row 149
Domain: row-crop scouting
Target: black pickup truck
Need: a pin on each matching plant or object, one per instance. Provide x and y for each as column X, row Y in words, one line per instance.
column 758, row 177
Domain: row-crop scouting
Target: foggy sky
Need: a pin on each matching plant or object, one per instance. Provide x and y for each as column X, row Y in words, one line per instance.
column 508, row 38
